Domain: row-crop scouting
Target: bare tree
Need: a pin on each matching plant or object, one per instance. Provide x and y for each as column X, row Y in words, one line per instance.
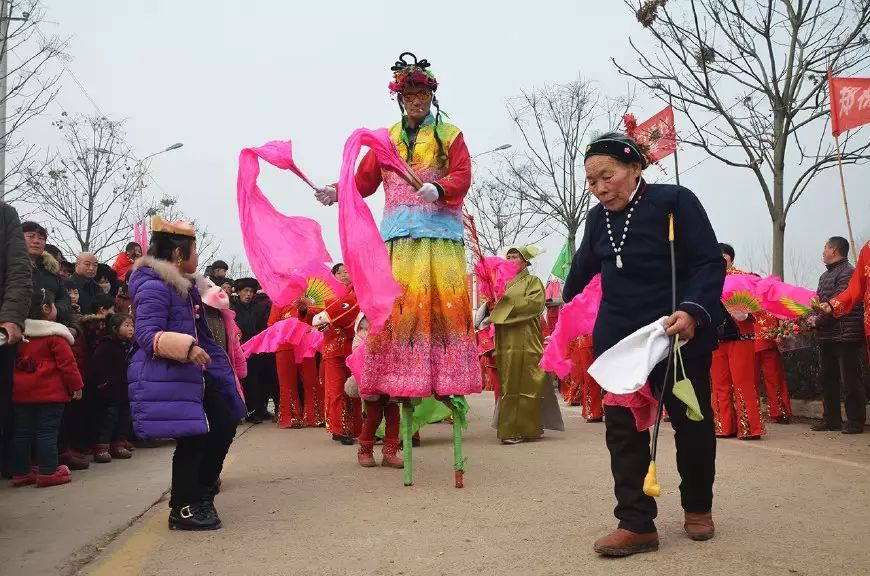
column 548, row 178
column 758, row 67
column 89, row 190
column 30, row 88
column 503, row 220
column 207, row 244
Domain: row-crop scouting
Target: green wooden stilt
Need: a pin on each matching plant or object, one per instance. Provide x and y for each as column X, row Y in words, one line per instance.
column 458, row 459
column 407, row 425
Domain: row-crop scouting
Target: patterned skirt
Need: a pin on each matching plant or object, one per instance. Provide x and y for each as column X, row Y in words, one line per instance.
column 427, row 346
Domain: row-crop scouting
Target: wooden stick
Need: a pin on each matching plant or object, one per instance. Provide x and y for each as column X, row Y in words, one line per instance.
column 846, row 199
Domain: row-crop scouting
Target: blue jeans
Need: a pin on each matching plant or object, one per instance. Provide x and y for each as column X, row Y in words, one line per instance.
column 36, row 424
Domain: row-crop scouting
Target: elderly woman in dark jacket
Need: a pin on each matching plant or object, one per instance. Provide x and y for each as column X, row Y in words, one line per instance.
column 181, row 382
column 626, row 240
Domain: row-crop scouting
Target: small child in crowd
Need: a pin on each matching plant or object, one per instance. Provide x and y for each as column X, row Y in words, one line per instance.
column 46, row 377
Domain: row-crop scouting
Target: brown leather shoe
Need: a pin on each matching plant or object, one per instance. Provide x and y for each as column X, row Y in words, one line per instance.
column 699, row 526
column 622, row 542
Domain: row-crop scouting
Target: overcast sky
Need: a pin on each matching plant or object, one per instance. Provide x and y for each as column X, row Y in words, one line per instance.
column 219, row 76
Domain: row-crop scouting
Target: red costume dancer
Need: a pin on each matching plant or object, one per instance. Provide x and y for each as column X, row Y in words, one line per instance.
column 291, row 412
column 343, row 414
column 486, row 353
column 769, row 364
column 586, row 390
column 736, row 408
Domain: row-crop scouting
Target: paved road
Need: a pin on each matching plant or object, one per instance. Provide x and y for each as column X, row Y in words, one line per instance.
column 295, row 502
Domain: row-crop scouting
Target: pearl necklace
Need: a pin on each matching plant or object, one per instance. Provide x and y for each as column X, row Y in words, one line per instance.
column 618, row 249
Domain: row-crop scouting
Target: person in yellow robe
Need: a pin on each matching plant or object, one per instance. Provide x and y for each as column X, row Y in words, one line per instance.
column 527, row 403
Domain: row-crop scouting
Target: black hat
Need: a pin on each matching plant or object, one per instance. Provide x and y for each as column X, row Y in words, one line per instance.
column 243, row 283
column 616, row 145
column 220, row 265
column 30, row 226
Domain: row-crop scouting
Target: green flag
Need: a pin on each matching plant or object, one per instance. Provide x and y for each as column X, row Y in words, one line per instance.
column 563, row 263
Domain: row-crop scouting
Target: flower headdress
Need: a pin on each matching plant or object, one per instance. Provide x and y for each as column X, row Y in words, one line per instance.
column 407, row 73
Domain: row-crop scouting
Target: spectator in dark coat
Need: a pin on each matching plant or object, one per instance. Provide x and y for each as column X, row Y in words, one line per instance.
column 45, row 270
column 841, row 342
column 15, row 294
column 252, row 316
column 84, row 280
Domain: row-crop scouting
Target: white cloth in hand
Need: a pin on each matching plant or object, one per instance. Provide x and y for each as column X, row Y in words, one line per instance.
column 626, row 366
column 326, row 195
column 428, row 192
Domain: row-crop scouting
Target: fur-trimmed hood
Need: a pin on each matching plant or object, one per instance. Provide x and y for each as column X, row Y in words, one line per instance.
column 50, row 263
column 43, row 328
column 181, row 283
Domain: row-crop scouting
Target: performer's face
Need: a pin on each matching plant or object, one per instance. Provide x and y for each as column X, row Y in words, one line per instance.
column 342, row 275
column 612, row 182
column 516, row 258
column 728, row 261
column 417, row 103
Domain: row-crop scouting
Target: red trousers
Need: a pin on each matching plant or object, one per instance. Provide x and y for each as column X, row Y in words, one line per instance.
column 586, row 390
column 291, row 412
column 376, row 410
column 343, row 413
column 769, row 365
column 736, row 409
column 490, row 375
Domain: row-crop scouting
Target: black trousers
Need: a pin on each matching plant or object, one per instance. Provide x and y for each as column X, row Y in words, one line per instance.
column 114, row 422
column 261, row 383
column 696, row 451
column 7, row 424
column 198, row 460
column 841, row 366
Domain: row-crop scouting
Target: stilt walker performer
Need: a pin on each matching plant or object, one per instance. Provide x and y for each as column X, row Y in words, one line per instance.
column 427, row 347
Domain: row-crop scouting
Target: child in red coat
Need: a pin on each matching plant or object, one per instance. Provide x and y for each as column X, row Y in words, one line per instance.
column 46, row 378
column 108, row 379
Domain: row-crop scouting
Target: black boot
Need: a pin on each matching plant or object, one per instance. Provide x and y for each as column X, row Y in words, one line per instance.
column 192, row 517
column 207, row 503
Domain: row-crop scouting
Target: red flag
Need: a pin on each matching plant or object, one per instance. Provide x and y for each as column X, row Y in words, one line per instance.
column 660, row 133
column 850, row 103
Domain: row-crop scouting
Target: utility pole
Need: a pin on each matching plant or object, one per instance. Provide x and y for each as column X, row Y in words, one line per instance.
column 5, row 18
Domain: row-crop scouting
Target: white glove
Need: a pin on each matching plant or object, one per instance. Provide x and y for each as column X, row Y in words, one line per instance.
column 740, row 316
column 428, row 192
column 326, row 195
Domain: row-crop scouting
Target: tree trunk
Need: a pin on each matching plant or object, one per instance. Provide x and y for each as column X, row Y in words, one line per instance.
column 778, row 252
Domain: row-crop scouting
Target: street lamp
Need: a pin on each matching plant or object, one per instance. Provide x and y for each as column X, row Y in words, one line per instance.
column 499, row 149
column 175, row 146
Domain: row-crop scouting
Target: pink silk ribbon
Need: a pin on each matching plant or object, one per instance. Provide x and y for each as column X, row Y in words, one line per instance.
column 362, row 247
column 283, row 251
column 305, row 340
column 577, row 318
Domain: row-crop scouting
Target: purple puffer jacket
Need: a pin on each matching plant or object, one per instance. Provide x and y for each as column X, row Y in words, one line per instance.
column 166, row 395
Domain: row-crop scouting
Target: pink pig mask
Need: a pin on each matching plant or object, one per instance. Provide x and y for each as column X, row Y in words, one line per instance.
column 214, row 296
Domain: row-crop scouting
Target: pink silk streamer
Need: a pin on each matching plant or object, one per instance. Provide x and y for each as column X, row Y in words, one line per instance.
column 305, row 340
column 362, row 247
column 283, row 251
column 553, row 290
column 499, row 272
column 778, row 298
column 577, row 318
column 643, row 405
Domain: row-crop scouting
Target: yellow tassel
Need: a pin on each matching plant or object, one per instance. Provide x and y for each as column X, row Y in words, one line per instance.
column 651, row 486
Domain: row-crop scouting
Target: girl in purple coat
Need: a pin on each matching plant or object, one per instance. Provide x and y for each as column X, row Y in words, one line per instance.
column 182, row 385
